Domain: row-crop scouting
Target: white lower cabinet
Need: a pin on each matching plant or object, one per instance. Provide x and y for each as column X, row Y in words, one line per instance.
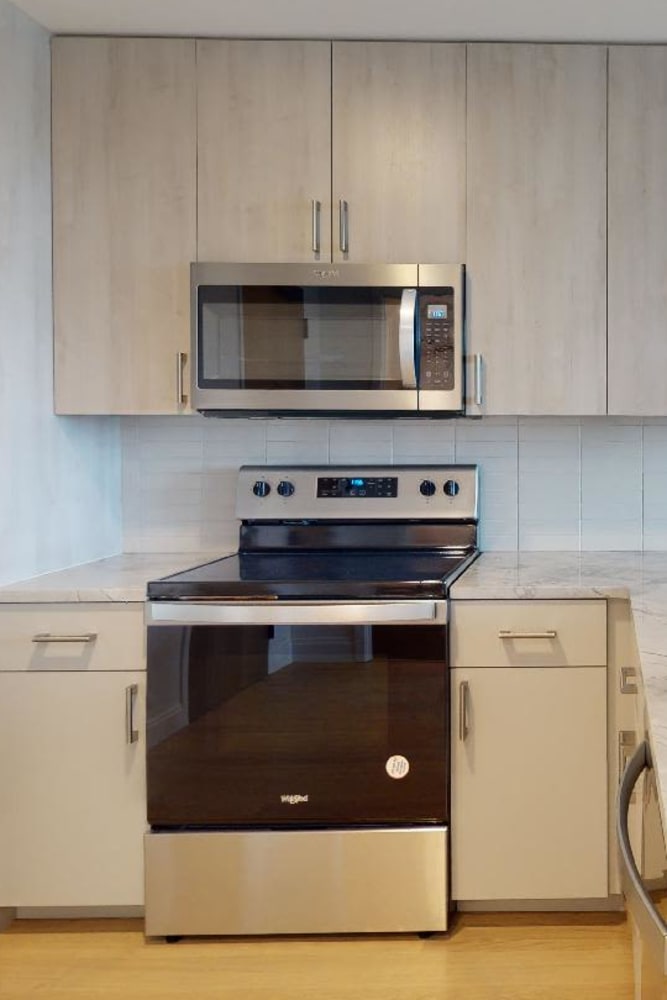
column 72, row 758
column 529, row 817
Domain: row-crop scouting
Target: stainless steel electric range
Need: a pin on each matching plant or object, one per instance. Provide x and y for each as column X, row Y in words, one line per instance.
column 298, row 708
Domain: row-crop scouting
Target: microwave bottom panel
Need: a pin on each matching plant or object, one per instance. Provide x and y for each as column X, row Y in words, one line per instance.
column 296, row 882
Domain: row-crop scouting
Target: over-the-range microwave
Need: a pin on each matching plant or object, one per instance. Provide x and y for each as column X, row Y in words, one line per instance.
column 338, row 338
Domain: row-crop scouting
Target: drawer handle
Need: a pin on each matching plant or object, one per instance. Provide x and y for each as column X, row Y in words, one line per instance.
column 50, row 637
column 508, row 634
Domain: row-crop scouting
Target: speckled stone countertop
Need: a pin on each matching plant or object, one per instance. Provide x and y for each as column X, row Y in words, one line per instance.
column 640, row 577
column 118, row 578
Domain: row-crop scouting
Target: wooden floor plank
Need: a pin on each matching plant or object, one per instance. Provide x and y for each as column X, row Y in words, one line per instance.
column 485, row 957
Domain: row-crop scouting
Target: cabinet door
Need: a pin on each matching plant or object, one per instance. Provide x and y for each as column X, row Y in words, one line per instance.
column 72, row 788
column 124, row 217
column 536, row 226
column 529, row 783
column 637, row 229
column 264, row 150
column 399, row 151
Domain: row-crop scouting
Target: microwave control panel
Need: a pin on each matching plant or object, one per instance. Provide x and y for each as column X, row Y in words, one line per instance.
column 436, row 323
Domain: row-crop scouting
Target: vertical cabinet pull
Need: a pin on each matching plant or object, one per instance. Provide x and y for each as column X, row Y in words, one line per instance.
column 181, row 395
column 131, row 734
column 478, row 368
column 316, row 215
column 343, row 231
column 464, row 721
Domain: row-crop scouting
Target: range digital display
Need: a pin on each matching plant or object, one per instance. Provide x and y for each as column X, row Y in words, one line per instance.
column 357, row 486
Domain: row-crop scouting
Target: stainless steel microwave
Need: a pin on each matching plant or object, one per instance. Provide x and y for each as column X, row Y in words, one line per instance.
column 340, row 338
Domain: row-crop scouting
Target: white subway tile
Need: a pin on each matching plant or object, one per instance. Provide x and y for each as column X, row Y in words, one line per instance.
column 424, row 441
column 297, row 442
column 361, row 441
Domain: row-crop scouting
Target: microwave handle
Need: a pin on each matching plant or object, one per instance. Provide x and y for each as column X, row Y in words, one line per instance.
column 406, row 337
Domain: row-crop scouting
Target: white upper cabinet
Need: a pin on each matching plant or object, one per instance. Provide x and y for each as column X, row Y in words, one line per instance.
column 264, row 150
column 124, row 221
column 398, row 151
column 637, row 230
column 537, row 226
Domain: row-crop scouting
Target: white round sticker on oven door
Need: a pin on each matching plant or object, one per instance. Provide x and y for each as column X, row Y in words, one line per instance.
column 397, row 766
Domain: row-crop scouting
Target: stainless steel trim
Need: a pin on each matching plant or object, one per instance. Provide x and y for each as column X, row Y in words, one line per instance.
column 478, row 398
column 406, row 337
column 341, row 274
column 509, row 634
column 652, row 928
column 131, row 734
column 181, row 395
column 627, row 687
column 297, row 881
column 343, row 226
column 51, row 637
column 295, row 613
column 316, row 210
column 286, row 400
column 464, row 721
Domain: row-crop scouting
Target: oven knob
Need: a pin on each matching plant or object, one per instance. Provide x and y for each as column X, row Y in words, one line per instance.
column 427, row 488
column 261, row 488
column 451, row 487
column 285, row 488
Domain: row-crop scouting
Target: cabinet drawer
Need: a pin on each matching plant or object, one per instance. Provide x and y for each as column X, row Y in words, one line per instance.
column 528, row 633
column 45, row 637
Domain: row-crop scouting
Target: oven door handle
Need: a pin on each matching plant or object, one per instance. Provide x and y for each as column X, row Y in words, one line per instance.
column 301, row 613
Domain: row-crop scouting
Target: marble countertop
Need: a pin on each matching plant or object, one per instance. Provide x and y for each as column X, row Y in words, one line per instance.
column 118, row 578
column 640, row 577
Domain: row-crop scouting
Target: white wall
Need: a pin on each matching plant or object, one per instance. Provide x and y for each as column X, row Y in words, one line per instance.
column 60, row 481
column 549, row 484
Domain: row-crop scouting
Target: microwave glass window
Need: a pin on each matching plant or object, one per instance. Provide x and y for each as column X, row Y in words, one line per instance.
column 299, row 337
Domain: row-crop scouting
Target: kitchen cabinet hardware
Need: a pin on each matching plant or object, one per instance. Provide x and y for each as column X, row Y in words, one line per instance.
column 131, row 734
column 478, row 396
column 509, row 634
column 464, row 720
column 51, row 637
column 343, row 226
column 316, row 219
column 628, row 674
column 181, row 395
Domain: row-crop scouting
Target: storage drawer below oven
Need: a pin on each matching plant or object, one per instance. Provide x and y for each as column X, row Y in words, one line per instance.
column 296, row 882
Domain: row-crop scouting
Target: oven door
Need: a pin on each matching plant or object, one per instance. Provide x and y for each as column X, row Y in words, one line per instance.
column 297, row 716
column 292, row 337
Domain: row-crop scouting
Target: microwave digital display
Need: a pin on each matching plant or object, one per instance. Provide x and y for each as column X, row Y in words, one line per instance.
column 436, row 312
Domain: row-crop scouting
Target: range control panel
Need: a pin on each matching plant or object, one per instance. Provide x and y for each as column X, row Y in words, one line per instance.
column 438, row 492
column 357, row 486
column 436, row 323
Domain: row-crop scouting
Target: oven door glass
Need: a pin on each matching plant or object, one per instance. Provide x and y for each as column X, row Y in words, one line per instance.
column 256, row 726
column 277, row 337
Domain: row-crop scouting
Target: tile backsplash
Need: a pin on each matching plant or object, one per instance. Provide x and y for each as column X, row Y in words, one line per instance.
column 546, row 483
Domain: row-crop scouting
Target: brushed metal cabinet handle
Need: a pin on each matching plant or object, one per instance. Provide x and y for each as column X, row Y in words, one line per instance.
column 316, row 215
column 343, row 226
column 478, row 367
column 181, row 395
column 131, row 734
column 464, row 720
column 627, row 676
column 52, row 637
column 509, row 634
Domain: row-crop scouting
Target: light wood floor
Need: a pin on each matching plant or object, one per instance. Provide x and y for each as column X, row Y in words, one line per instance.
column 485, row 957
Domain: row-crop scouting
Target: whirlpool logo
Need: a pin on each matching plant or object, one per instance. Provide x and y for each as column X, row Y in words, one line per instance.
column 326, row 272
column 293, row 800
